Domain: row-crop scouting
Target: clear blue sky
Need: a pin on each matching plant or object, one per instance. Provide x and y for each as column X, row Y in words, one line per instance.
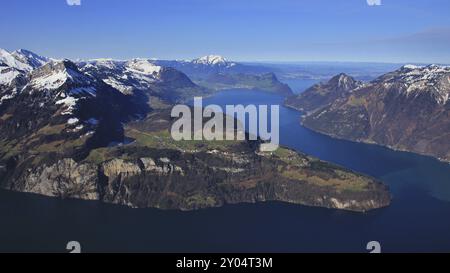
column 252, row 30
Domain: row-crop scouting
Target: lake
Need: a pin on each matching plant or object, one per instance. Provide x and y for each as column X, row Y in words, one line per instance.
column 417, row 220
column 300, row 85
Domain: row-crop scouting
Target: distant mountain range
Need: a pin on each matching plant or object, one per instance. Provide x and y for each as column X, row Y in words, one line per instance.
column 407, row 109
column 217, row 73
column 203, row 67
column 143, row 76
column 100, row 130
column 166, row 80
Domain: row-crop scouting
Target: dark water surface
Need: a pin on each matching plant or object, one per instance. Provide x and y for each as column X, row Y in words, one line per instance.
column 417, row 221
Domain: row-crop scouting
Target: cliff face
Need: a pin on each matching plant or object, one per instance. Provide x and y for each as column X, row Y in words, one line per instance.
column 408, row 109
column 65, row 178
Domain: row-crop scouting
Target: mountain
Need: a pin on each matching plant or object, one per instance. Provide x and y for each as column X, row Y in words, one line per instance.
column 407, row 109
column 141, row 77
column 62, row 109
column 10, row 79
column 322, row 94
column 213, row 60
column 217, row 73
column 90, row 130
column 14, row 67
column 21, row 59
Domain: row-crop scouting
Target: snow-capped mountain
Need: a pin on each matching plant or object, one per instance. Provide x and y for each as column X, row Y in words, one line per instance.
column 407, row 109
column 125, row 76
column 142, row 76
column 213, row 60
column 143, row 66
column 58, row 107
column 8, row 75
column 56, row 74
column 93, row 98
column 414, row 80
column 23, row 69
column 14, row 69
column 22, row 59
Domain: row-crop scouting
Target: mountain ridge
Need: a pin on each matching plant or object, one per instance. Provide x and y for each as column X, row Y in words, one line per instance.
column 407, row 109
column 323, row 93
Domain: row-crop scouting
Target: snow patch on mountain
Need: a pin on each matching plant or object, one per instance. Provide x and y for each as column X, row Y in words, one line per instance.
column 52, row 81
column 57, row 76
column 118, row 85
column 105, row 63
column 8, row 74
column 411, row 66
column 72, row 121
column 124, row 76
column 143, row 66
column 413, row 80
column 69, row 102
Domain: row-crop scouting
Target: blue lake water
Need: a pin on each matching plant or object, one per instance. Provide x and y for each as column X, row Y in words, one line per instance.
column 418, row 219
column 300, row 85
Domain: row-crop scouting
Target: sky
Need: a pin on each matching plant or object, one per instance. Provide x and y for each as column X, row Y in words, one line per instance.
column 396, row 31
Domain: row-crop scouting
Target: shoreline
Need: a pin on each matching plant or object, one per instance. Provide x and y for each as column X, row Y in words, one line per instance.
column 443, row 160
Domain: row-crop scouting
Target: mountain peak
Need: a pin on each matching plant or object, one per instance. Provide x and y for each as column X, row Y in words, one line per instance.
column 211, row 60
column 343, row 81
column 22, row 59
column 341, row 77
column 55, row 74
column 10, row 60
